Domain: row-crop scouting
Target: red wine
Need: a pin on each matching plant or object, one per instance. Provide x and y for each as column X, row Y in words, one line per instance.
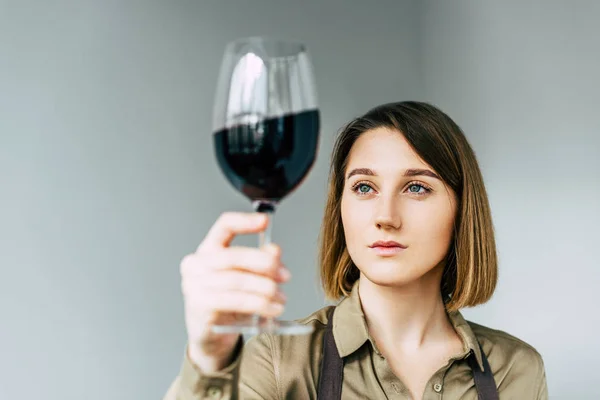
column 269, row 159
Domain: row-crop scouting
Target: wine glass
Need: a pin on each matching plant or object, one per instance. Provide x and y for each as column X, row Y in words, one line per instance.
column 266, row 134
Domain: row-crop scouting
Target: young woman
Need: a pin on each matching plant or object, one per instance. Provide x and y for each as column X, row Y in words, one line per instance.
column 406, row 242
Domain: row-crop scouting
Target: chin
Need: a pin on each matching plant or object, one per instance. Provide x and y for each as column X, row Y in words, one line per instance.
column 387, row 281
column 389, row 274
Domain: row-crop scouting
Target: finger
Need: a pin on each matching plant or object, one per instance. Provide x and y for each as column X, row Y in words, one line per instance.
column 272, row 248
column 239, row 281
column 240, row 302
column 230, row 224
column 241, row 258
column 282, row 274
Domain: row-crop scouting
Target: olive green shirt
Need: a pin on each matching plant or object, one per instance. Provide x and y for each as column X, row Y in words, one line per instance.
column 287, row 367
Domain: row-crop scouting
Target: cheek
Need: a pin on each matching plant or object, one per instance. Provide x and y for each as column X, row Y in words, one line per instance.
column 346, row 211
column 433, row 224
column 354, row 218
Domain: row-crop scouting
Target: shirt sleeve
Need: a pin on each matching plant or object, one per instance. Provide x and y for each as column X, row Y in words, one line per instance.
column 251, row 375
column 193, row 384
column 542, row 383
column 259, row 378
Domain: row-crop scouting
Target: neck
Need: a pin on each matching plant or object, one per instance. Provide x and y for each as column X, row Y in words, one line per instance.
column 406, row 317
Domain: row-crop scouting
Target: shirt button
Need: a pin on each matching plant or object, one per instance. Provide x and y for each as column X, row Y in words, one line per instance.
column 214, row 392
column 437, row 387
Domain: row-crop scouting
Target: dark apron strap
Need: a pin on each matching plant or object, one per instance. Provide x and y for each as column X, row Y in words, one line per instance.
column 332, row 365
column 332, row 370
column 484, row 380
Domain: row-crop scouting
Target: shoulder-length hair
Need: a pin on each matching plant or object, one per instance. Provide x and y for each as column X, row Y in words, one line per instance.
column 471, row 271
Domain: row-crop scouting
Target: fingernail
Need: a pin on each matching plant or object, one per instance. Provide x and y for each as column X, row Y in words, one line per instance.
column 283, row 274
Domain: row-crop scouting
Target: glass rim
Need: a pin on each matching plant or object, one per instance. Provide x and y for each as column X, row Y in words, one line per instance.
column 269, row 40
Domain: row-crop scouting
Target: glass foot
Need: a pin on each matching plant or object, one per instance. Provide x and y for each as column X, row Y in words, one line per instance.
column 255, row 326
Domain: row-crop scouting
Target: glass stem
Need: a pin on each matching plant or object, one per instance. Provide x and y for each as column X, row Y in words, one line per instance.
column 264, row 238
column 267, row 207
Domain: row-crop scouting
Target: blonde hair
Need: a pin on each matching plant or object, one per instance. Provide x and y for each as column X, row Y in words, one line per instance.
column 471, row 272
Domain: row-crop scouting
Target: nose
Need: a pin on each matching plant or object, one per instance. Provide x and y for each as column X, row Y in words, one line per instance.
column 388, row 212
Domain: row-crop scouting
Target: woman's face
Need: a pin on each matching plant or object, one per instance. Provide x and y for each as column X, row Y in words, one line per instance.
column 391, row 195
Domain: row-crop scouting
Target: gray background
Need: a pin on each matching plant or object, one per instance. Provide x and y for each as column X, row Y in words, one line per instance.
column 108, row 177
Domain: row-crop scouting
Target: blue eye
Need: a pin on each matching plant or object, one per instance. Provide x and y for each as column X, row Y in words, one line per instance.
column 415, row 188
column 362, row 189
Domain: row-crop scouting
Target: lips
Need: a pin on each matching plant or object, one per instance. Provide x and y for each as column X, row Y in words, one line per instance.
column 387, row 244
column 387, row 248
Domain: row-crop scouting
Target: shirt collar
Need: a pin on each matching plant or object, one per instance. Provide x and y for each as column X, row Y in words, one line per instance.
column 350, row 329
column 470, row 342
column 349, row 324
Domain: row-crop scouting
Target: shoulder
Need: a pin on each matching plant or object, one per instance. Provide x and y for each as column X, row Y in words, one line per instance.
column 513, row 361
column 317, row 320
column 295, row 346
column 280, row 364
column 505, row 344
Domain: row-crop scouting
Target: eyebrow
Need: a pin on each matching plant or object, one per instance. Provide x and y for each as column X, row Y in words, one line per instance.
column 408, row 173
